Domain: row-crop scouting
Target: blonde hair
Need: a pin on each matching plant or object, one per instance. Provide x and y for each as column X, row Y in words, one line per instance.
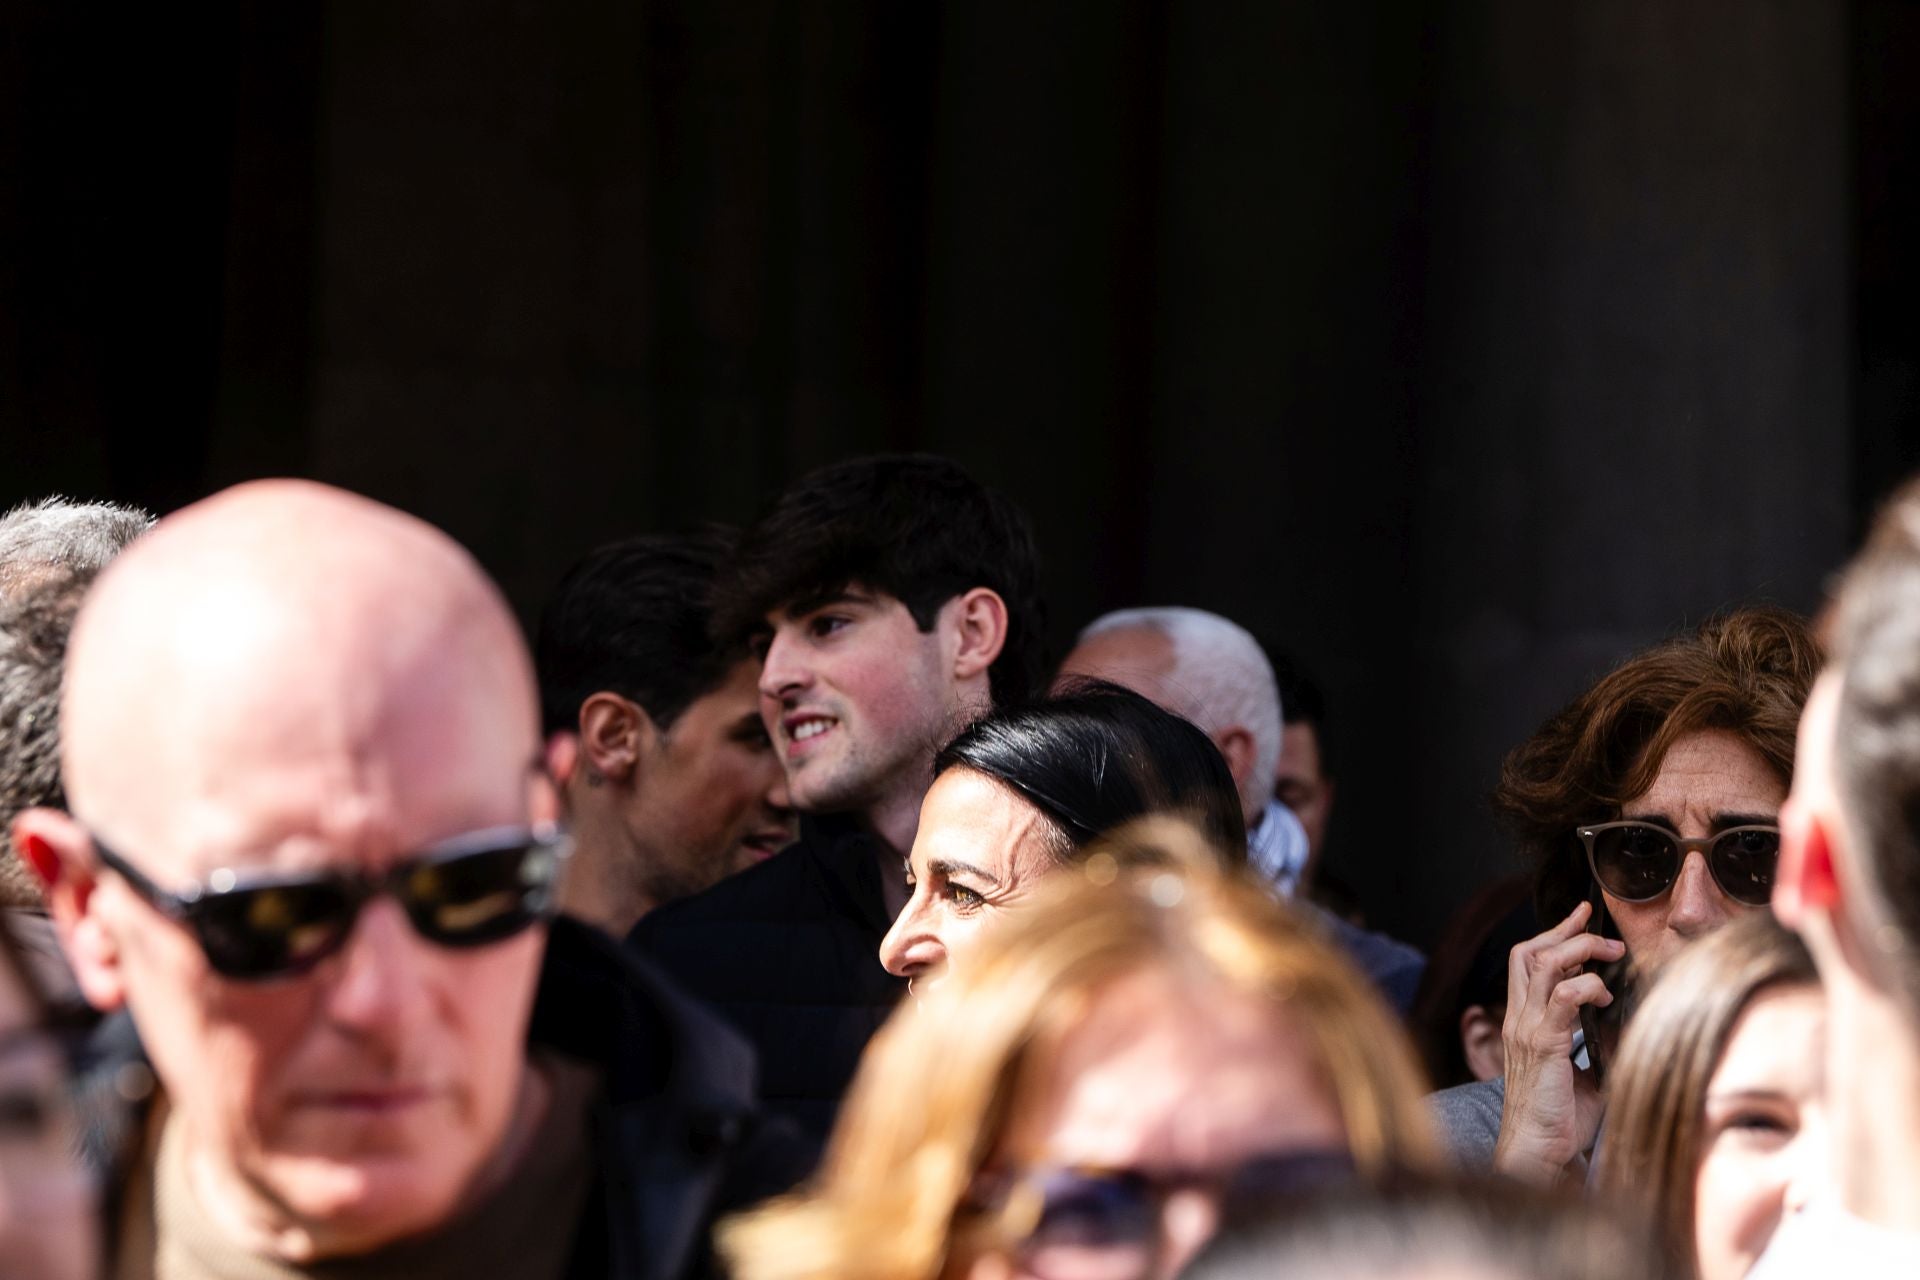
column 1656, row 1110
column 936, row 1087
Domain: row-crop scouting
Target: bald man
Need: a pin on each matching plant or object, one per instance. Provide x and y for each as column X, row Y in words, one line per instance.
column 310, row 850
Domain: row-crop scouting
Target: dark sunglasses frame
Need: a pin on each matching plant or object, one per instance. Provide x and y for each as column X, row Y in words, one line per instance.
column 1682, row 846
column 537, row 876
column 1017, row 1202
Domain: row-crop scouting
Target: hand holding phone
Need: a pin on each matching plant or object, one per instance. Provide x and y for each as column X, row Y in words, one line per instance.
column 1552, row 1108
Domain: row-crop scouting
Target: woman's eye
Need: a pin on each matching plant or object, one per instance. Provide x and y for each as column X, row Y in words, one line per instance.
column 964, row 898
column 1758, row 1125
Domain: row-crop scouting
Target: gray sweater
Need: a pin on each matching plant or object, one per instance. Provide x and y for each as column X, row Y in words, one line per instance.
column 1468, row 1117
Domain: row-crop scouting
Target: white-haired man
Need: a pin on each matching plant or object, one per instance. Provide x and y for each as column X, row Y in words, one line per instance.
column 1212, row 671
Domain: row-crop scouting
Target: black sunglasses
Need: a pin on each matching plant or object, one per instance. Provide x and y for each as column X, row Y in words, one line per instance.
column 1639, row 861
column 1085, row 1223
column 464, row 892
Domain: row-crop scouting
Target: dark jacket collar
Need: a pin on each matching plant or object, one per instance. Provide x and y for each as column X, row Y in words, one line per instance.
column 848, row 856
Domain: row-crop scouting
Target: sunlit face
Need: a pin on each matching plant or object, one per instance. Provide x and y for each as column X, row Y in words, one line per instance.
column 980, row 851
column 1764, row 1133
column 712, row 798
column 49, row 1224
column 1710, row 781
column 357, row 1103
column 856, row 698
column 1178, row 1078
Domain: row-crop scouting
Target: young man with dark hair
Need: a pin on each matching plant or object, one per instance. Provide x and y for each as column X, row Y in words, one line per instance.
column 894, row 599
column 1304, row 778
column 675, row 783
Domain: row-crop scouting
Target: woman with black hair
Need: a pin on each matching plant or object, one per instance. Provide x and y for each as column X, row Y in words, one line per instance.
column 1023, row 792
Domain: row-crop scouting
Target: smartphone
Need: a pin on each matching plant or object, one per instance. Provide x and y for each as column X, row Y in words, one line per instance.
column 1592, row 1017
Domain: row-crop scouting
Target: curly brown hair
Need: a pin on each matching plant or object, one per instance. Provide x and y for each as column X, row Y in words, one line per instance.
column 1747, row 672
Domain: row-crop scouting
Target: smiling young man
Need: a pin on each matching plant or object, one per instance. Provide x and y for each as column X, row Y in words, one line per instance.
column 675, row 783
column 895, row 599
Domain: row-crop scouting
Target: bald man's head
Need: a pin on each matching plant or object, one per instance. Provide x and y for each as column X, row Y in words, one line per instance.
column 276, row 613
column 279, row 696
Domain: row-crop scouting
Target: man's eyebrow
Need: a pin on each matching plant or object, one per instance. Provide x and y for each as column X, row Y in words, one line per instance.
column 948, row 866
column 805, row 605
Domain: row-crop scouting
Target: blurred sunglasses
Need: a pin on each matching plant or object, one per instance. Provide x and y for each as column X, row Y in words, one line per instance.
column 464, row 892
column 1083, row 1223
column 1639, row 861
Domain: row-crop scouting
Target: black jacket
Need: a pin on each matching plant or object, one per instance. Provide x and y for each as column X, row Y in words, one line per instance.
column 678, row 1139
column 789, row 953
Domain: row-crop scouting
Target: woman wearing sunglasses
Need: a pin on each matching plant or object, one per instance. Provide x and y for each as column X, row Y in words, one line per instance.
column 1115, row 1067
column 1717, row 1121
column 1648, row 808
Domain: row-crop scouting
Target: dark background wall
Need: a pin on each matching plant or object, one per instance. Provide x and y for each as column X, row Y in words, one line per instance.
column 1460, row 348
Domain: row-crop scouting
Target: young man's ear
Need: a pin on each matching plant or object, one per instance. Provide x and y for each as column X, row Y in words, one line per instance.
column 60, row 853
column 615, row 733
column 980, row 622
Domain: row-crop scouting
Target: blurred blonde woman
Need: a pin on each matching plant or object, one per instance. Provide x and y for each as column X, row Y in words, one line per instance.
column 1117, row 1064
column 1717, row 1126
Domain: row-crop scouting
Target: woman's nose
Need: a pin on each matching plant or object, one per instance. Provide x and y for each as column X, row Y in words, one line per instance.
column 912, row 947
column 1697, row 906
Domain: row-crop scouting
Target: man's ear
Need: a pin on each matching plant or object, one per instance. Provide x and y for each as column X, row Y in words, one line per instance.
column 980, row 622
column 61, row 855
column 1236, row 744
column 1805, row 881
column 614, row 733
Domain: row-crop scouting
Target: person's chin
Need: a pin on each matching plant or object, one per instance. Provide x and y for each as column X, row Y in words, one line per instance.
column 356, row 1204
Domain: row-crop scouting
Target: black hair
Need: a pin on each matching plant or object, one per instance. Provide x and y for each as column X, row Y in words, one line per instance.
column 1303, row 701
column 1095, row 756
column 632, row 618
column 912, row 526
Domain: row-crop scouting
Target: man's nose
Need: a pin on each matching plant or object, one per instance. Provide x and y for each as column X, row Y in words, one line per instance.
column 377, row 986
column 782, row 670
column 912, row 948
column 1698, row 906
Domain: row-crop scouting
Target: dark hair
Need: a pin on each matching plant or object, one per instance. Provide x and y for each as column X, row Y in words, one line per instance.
column 631, row 618
column 915, row 527
column 1747, row 672
column 1876, row 751
column 1095, row 756
column 1303, row 701
column 1468, row 967
column 34, row 626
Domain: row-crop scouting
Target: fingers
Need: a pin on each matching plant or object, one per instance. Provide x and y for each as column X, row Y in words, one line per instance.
column 1538, row 964
column 1586, row 988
